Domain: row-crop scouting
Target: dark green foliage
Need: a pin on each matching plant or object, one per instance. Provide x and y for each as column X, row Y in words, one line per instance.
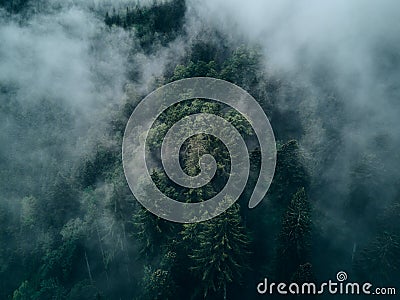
column 159, row 284
column 294, row 238
column 84, row 290
column 77, row 232
column 225, row 235
column 82, row 235
column 207, row 51
column 198, row 69
column 106, row 236
column 242, row 68
column 379, row 261
column 151, row 230
column 364, row 187
column 61, row 201
column 160, row 21
column 220, row 252
column 290, row 173
column 389, row 220
column 14, row 6
column 304, row 274
column 24, row 292
column 95, row 168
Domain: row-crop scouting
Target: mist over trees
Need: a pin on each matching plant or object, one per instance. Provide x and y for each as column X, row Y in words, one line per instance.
column 72, row 72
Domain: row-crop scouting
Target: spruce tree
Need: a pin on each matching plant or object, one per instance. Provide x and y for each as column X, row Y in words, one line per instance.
column 379, row 261
column 293, row 241
column 290, row 173
column 220, row 257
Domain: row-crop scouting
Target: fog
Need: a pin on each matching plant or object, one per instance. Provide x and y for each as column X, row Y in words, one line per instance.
column 343, row 59
column 64, row 74
column 67, row 57
column 353, row 43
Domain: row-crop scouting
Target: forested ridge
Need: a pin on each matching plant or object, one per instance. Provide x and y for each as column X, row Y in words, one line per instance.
column 71, row 228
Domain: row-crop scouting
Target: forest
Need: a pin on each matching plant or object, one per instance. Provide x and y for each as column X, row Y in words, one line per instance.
column 71, row 74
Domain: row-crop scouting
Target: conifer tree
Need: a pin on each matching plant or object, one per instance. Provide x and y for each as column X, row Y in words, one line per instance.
column 290, row 173
column 304, row 274
column 379, row 261
column 293, row 240
column 220, row 257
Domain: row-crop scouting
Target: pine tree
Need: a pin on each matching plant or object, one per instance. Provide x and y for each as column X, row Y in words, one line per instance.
column 290, row 174
column 364, row 188
column 379, row 262
column 160, row 283
column 220, row 257
column 107, row 19
column 24, row 292
column 304, row 274
column 293, row 240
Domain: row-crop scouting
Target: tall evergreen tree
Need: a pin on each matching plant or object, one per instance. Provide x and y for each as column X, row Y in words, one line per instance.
column 379, row 261
column 294, row 238
column 220, row 257
column 304, row 274
column 290, row 174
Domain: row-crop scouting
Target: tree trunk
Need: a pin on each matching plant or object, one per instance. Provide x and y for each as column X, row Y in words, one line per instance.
column 224, row 291
column 88, row 268
column 102, row 253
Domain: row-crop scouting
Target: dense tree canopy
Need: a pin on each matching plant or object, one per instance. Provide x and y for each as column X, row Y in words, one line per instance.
column 75, row 231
